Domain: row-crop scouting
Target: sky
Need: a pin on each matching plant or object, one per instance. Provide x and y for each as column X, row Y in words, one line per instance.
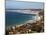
column 24, row 5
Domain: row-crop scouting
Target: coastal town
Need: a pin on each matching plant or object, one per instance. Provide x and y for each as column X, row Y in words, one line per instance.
column 34, row 27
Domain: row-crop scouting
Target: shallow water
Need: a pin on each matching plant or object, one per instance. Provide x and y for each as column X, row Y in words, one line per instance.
column 13, row 18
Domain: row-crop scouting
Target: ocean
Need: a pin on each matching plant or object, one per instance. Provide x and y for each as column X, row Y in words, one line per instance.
column 14, row 18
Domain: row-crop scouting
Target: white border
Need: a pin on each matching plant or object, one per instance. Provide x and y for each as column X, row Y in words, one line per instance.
column 2, row 18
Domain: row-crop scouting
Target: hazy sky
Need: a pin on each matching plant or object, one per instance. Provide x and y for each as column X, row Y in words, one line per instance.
column 23, row 5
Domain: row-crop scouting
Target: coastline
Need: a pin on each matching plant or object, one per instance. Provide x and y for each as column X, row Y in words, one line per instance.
column 18, row 25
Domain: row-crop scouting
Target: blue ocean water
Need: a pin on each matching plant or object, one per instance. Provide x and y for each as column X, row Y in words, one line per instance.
column 13, row 18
